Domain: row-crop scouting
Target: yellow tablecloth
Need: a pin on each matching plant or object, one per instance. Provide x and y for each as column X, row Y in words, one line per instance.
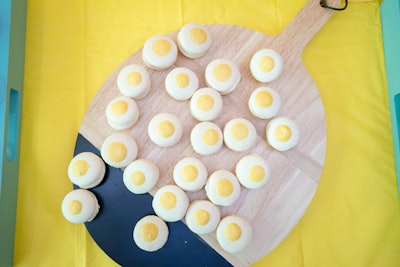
column 73, row 46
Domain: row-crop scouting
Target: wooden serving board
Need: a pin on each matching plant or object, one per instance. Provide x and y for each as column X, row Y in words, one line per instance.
column 272, row 210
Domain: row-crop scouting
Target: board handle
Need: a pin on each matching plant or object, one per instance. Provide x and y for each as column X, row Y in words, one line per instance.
column 306, row 24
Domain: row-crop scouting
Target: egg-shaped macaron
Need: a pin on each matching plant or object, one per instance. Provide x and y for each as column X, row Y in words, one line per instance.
column 206, row 104
column 222, row 188
column 202, row 217
column 140, row 176
column 119, row 149
column 194, row 40
column 265, row 102
column 266, row 65
column 134, row 81
column 253, row 171
column 234, row 233
column 222, row 75
column 239, row 134
column 86, row 170
column 190, row 174
column 80, row 206
column 150, row 233
column 170, row 203
column 181, row 83
column 122, row 113
column 206, row 138
column 159, row 52
column 165, row 129
column 282, row 133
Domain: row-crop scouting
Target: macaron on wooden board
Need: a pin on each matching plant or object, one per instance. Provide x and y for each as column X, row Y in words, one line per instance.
column 274, row 209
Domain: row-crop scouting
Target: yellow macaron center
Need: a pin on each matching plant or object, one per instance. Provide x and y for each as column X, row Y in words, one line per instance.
column 117, row 151
column 74, row 207
column 134, row 78
column 222, row 72
column 266, row 64
column 232, row 232
column 224, row 187
column 182, row 80
column 149, row 232
column 263, row 99
column 189, row 173
column 119, row 108
column 201, row 217
column 205, row 102
column 168, row 200
column 198, row 36
column 210, row 137
column 80, row 167
column 137, row 178
column 239, row 131
column 165, row 129
column 256, row 173
column 282, row 133
column 161, row 47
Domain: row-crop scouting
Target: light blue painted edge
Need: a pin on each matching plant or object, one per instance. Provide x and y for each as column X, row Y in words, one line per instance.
column 5, row 12
column 390, row 15
column 13, row 23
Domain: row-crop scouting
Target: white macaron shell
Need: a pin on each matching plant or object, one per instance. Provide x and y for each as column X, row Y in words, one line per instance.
column 265, row 112
column 198, row 140
column 245, row 237
column 192, row 219
column 92, row 173
column 226, row 86
column 214, row 184
column 169, row 119
column 135, row 91
column 119, row 141
column 274, row 73
column 159, row 241
column 282, row 145
column 159, row 62
column 143, row 167
column 125, row 120
column 231, row 134
column 188, row 46
column 206, row 114
column 178, row 208
column 175, row 90
column 188, row 164
column 89, row 206
column 253, row 171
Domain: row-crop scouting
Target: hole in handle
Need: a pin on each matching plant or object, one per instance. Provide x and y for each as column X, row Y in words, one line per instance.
column 324, row 4
column 13, row 124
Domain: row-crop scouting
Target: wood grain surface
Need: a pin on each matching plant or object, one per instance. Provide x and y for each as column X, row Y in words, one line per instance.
column 276, row 208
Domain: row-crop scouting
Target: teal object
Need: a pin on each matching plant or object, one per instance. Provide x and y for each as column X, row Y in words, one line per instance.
column 12, row 54
column 390, row 14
